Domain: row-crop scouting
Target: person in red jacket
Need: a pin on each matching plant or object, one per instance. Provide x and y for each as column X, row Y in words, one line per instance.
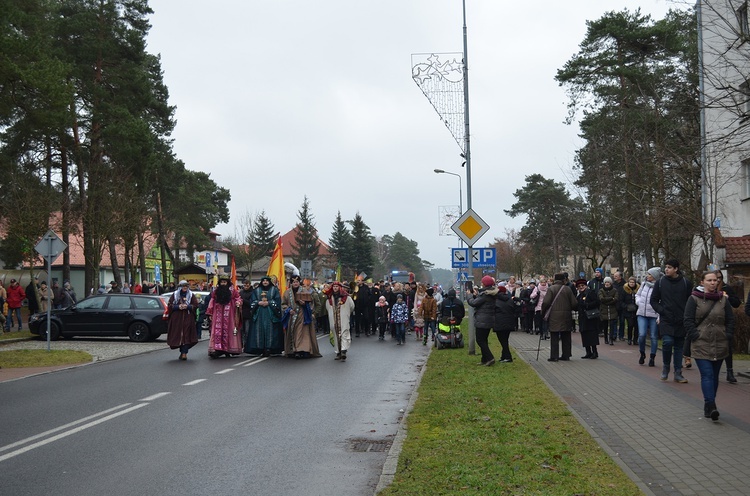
column 16, row 295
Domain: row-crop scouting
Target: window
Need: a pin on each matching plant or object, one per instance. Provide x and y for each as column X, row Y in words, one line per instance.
column 744, row 100
column 146, row 303
column 91, row 304
column 119, row 303
column 742, row 21
column 745, row 187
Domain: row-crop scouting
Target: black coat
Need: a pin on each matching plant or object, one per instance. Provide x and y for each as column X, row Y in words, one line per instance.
column 452, row 307
column 668, row 299
column 586, row 301
column 484, row 307
column 505, row 313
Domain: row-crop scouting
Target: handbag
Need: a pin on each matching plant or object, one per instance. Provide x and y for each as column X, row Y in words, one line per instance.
column 631, row 307
column 592, row 313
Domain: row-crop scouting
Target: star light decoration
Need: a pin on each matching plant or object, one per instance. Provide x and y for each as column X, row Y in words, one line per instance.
column 443, row 85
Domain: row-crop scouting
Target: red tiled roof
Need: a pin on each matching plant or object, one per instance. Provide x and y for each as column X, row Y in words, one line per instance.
column 738, row 250
column 288, row 244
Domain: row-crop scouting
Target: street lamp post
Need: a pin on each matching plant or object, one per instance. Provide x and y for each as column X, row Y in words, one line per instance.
column 461, row 212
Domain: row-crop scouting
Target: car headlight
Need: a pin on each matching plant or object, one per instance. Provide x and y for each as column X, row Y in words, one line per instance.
column 34, row 318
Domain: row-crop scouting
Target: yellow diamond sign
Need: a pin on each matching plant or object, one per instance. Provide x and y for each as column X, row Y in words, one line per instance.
column 470, row 227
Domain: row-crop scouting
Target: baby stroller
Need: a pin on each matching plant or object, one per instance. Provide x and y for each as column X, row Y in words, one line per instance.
column 449, row 335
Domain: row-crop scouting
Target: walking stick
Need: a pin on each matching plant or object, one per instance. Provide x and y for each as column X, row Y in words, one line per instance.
column 539, row 347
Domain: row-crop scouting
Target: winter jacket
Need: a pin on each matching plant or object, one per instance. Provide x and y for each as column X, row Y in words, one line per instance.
column 484, row 307
column 505, row 313
column 668, row 299
column 715, row 325
column 587, row 300
column 608, row 302
column 627, row 297
column 561, row 318
column 539, row 292
column 400, row 313
column 452, row 307
column 382, row 312
column 429, row 308
column 643, row 300
column 16, row 295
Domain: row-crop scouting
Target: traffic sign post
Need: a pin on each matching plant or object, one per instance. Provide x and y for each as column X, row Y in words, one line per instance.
column 50, row 247
column 480, row 257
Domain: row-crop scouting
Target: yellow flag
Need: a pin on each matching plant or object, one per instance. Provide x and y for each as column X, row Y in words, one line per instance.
column 276, row 267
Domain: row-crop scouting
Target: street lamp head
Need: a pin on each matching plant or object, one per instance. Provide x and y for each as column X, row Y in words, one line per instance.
column 439, row 171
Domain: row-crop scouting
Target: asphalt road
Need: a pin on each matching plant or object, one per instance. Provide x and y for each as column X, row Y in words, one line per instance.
column 151, row 424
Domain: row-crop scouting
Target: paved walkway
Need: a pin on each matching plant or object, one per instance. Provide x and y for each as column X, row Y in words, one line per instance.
column 655, row 430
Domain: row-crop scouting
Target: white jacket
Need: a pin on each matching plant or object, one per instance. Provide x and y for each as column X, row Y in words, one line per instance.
column 643, row 300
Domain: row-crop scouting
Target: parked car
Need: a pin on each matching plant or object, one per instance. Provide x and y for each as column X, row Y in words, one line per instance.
column 140, row 317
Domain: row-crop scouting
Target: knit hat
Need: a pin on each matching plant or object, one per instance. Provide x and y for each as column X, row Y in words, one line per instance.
column 599, row 270
column 430, row 291
column 607, row 280
column 654, row 272
column 488, row 281
column 502, row 289
column 581, row 281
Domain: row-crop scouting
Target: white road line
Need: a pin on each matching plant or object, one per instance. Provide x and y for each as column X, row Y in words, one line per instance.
column 62, row 427
column 256, row 362
column 193, row 383
column 225, row 371
column 70, row 432
column 154, row 396
column 242, row 364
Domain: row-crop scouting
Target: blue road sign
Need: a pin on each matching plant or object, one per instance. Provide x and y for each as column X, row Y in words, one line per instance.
column 480, row 258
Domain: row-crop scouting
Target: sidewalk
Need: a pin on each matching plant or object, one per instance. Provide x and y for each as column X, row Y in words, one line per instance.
column 655, row 430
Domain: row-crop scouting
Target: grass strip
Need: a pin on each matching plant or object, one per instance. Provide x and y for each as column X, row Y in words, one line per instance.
column 42, row 358
column 498, row 430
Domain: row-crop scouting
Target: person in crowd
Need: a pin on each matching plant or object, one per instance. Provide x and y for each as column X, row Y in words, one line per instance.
column 265, row 336
column 32, row 296
column 608, row 302
column 588, row 300
column 300, row 340
column 709, row 325
column 383, row 317
column 126, row 289
column 451, row 308
column 596, row 284
column 340, row 308
column 505, row 322
column 3, row 297
column 320, row 310
column 399, row 316
column 182, row 306
column 45, row 297
column 647, row 316
column 429, row 314
column 226, row 324
column 559, row 303
column 618, row 282
column 14, row 299
column 527, row 306
column 375, row 295
column 539, row 323
column 67, row 296
column 628, row 308
column 362, row 306
column 410, row 290
column 735, row 302
column 418, row 322
column 668, row 298
column 136, row 287
column 514, row 290
column 114, row 287
column 246, row 294
column 483, row 302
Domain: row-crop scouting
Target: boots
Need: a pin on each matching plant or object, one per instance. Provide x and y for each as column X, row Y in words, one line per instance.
column 642, row 360
column 594, row 353
column 688, row 362
column 665, row 373
column 678, row 376
column 651, row 360
column 710, row 411
column 730, row 376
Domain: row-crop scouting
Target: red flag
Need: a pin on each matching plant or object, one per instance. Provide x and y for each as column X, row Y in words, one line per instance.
column 276, row 267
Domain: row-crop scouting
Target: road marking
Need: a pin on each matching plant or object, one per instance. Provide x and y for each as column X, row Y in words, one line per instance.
column 193, row 383
column 246, row 361
column 225, row 371
column 62, row 427
column 256, row 362
column 154, row 397
column 70, row 432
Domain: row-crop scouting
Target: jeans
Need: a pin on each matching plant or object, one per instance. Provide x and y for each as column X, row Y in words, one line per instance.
column 429, row 325
column 401, row 332
column 710, row 371
column 621, row 326
column 612, row 324
column 647, row 324
column 9, row 322
column 670, row 344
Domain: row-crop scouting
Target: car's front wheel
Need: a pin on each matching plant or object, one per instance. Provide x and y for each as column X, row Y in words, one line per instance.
column 54, row 331
column 138, row 332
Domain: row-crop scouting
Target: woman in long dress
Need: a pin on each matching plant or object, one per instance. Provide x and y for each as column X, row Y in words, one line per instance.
column 300, row 340
column 226, row 324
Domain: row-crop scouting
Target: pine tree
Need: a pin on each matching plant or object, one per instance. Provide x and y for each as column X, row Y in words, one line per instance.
column 340, row 242
column 263, row 236
column 305, row 245
column 362, row 246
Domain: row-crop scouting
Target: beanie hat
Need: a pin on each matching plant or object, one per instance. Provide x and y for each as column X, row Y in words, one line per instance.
column 488, row 281
column 502, row 289
column 430, row 291
column 655, row 272
column 607, row 280
column 599, row 270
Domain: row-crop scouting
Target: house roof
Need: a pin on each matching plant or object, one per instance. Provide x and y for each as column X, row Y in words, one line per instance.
column 288, row 244
column 738, row 249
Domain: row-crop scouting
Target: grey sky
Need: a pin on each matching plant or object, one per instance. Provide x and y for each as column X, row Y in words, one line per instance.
column 278, row 99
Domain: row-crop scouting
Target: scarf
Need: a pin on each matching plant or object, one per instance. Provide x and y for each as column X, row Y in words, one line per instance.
column 701, row 293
